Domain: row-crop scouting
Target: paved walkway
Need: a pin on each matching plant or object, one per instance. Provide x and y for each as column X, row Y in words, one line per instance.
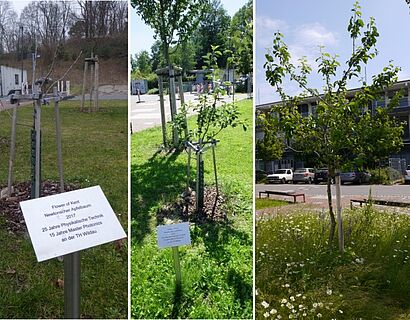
column 316, row 195
column 146, row 113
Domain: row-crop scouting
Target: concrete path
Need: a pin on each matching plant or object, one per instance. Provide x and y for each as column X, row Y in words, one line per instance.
column 146, row 113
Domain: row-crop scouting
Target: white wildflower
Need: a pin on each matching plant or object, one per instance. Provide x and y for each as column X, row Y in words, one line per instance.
column 265, row 304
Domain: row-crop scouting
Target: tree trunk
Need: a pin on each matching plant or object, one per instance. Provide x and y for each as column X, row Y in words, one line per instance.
column 339, row 214
column 331, row 213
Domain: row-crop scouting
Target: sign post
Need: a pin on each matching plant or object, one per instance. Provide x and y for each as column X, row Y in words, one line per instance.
column 65, row 224
column 174, row 235
column 72, row 275
column 177, row 266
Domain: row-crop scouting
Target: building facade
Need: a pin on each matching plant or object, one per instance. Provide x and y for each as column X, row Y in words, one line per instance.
column 401, row 112
column 11, row 79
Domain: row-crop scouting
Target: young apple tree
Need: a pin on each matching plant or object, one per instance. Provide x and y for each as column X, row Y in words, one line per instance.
column 339, row 130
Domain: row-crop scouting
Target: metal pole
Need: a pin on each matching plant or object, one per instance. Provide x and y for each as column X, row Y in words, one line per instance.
column 72, row 272
column 58, row 138
column 12, row 151
column 177, row 268
column 162, row 107
column 339, row 213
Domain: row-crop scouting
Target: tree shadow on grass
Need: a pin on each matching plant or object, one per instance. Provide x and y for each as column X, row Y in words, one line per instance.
column 216, row 236
column 158, row 179
column 219, row 238
column 243, row 289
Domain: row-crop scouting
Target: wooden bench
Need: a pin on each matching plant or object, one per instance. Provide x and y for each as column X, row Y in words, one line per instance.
column 283, row 193
column 380, row 202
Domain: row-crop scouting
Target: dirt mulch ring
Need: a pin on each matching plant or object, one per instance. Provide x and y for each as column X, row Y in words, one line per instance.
column 185, row 208
column 10, row 208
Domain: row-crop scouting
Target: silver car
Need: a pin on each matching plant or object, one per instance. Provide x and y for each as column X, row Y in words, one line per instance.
column 305, row 175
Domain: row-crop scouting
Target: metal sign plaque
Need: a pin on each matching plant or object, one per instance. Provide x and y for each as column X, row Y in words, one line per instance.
column 70, row 222
column 173, row 235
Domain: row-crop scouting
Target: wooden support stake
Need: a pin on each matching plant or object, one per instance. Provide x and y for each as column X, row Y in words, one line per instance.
column 188, row 173
column 173, row 104
column 216, row 174
column 182, row 99
column 162, row 108
column 199, row 179
column 84, row 82
column 92, row 84
column 37, row 129
column 58, row 138
column 97, row 83
column 12, row 152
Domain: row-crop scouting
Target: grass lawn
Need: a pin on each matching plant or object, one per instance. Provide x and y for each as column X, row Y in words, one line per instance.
column 94, row 153
column 217, row 267
column 262, row 203
column 299, row 276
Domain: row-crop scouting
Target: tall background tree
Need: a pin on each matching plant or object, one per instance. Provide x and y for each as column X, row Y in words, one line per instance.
column 8, row 27
column 241, row 38
column 172, row 20
column 213, row 29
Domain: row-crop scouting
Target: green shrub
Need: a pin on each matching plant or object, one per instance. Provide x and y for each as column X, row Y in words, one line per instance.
column 240, row 87
column 384, row 176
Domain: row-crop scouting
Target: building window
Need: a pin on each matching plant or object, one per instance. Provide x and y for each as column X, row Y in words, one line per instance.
column 303, row 110
column 16, row 79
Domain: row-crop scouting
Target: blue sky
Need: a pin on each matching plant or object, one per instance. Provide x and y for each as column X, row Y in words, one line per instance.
column 141, row 36
column 308, row 24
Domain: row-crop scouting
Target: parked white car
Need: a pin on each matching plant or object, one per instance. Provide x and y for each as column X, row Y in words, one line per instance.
column 305, row 175
column 407, row 175
column 281, row 175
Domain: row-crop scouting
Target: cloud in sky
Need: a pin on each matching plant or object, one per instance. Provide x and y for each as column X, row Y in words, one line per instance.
column 302, row 40
column 265, row 28
column 315, row 34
